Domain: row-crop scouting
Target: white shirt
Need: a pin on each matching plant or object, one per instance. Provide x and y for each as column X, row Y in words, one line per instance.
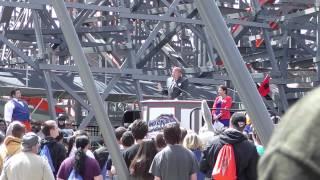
column 8, row 109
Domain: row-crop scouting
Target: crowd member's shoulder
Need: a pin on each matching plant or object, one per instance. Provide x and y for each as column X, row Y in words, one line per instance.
column 131, row 151
column 133, row 148
column 160, row 154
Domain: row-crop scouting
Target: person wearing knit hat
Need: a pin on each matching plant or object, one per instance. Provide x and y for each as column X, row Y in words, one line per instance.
column 27, row 164
column 29, row 141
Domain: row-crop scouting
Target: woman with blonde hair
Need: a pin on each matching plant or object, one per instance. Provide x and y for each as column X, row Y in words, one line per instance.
column 193, row 143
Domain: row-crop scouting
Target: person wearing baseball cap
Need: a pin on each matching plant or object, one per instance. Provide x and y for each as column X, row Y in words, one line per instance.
column 27, row 164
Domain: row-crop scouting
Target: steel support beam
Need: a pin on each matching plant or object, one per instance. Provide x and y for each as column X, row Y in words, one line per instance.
column 20, row 4
column 39, row 35
column 162, row 18
column 132, row 58
column 272, row 57
column 51, row 102
column 317, row 58
column 236, row 68
column 275, row 69
column 85, row 122
column 67, row 68
column 274, row 63
column 19, row 52
column 88, row 6
column 302, row 44
column 35, row 66
column 82, row 30
column 156, row 30
column 104, row 96
column 41, row 53
column 84, row 14
column 69, row 90
column 88, row 81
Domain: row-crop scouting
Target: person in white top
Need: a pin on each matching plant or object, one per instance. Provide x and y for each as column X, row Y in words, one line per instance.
column 27, row 164
column 17, row 110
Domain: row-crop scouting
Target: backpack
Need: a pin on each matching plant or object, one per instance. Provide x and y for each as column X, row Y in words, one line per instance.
column 225, row 166
column 74, row 175
column 101, row 155
column 104, row 171
column 45, row 154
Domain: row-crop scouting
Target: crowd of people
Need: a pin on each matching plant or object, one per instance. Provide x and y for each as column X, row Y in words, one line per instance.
column 172, row 153
column 54, row 151
column 161, row 149
column 158, row 149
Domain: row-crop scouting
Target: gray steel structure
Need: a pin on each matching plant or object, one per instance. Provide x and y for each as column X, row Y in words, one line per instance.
column 144, row 39
column 111, row 33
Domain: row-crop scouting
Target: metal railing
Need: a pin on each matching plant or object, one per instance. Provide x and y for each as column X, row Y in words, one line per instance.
column 198, row 108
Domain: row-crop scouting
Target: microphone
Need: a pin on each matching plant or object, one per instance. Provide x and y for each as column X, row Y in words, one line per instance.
column 185, row 92
column 176, row 85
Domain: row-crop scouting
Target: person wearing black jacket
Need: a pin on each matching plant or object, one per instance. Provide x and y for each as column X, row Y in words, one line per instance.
column 177, row 84
column 245, row 152
column 57, row 151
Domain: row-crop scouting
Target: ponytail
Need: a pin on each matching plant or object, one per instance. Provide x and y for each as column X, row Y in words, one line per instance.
column 79, row 164
column 80, row 155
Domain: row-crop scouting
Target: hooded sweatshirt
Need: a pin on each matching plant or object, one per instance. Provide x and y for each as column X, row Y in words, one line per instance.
column 245, row 153
column 10, row 147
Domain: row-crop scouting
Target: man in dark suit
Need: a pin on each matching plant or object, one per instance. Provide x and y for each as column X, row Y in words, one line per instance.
column 177, row 85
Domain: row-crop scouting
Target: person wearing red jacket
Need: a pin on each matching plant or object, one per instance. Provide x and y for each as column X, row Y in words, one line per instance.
column 221, row 106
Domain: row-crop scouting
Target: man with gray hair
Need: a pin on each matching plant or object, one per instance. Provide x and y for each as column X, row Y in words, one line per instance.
column 27, row 164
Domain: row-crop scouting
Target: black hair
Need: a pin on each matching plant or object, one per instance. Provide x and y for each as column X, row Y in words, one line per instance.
column 80, row 155
column 238, row 120
column 172, row 133
column 127, row 139
column 160, row 142
column 119, row 132
column 62, row 119
column 4, row 124
column 70, row 144
column 101, row 155
column 224, row 88
column 13, row 92
column 72, row 139
column 139, row 129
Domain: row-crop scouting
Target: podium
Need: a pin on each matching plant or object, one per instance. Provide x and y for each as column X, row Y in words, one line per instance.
column 181, row 109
